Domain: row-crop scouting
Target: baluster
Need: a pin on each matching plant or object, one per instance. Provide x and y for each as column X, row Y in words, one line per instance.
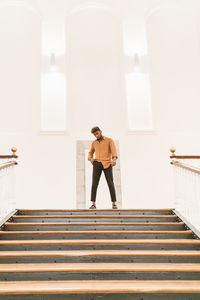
column 7, row 184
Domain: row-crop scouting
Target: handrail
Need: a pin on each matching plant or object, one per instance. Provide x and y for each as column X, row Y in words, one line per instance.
column 173, row 155
column 185, row 156
column 184, row 166
column 181, row 164
column 8, row 156
column 9, row 163
column 6, row 165
column 13, row 155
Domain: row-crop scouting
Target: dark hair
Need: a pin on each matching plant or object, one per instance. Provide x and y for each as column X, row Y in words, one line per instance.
column 94, row 129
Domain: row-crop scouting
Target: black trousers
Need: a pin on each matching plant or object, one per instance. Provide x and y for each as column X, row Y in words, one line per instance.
column 97, row 170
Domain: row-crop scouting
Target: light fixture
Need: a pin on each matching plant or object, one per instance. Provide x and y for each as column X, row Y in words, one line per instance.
column 136, row 63
column 52, row 62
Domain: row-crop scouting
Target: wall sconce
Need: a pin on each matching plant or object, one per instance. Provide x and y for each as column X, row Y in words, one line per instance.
column 136, row 63
column 52, row 63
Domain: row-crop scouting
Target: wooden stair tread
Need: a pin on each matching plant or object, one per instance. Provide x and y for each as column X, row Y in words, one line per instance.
column 78, row 253
column 95, row 216
column 101, row 286
column 101, row 241
column 120, row 209
column 93, row 224
column 95, row 232
column 100, row 267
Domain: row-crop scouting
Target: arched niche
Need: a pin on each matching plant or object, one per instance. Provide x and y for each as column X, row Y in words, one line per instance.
column 94, row 54
column 20, row 51
column 172, row 37
column 174, row 64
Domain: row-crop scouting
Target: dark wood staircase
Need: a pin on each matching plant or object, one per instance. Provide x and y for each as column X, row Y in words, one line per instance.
column 143, row 254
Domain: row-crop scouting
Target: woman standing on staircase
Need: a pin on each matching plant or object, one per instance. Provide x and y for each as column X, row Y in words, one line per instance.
column 104, row 148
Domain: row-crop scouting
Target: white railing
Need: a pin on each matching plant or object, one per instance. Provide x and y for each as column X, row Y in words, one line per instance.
column 7, row 183
column 186, row 171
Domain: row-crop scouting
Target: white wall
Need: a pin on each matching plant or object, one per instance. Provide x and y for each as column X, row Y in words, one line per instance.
column 96, row 96
column 20, row 40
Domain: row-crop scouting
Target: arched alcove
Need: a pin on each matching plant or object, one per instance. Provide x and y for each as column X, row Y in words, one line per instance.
column 174, row 62
column 94, row 53
column 20, row 51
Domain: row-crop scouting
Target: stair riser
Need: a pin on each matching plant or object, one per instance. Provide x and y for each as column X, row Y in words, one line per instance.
column 100, row 247
column 99, row 276
column 72, row 236
column 111, row 296
column 118, row 259
column 99, row 220
column 90, row 228
column 97, row 212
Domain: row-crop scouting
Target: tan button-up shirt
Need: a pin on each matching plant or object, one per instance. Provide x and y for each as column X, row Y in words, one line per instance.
column 104, row 149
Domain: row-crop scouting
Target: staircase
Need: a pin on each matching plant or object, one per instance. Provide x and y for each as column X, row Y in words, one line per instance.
column 98, row 255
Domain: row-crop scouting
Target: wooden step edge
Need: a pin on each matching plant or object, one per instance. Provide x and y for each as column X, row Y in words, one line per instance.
column 95, row 216
column 100, row 253
column 99, row 267
column 101, row 242
column 100, row 286
column 87, row 210
column 94, row 224
column 5, row 232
